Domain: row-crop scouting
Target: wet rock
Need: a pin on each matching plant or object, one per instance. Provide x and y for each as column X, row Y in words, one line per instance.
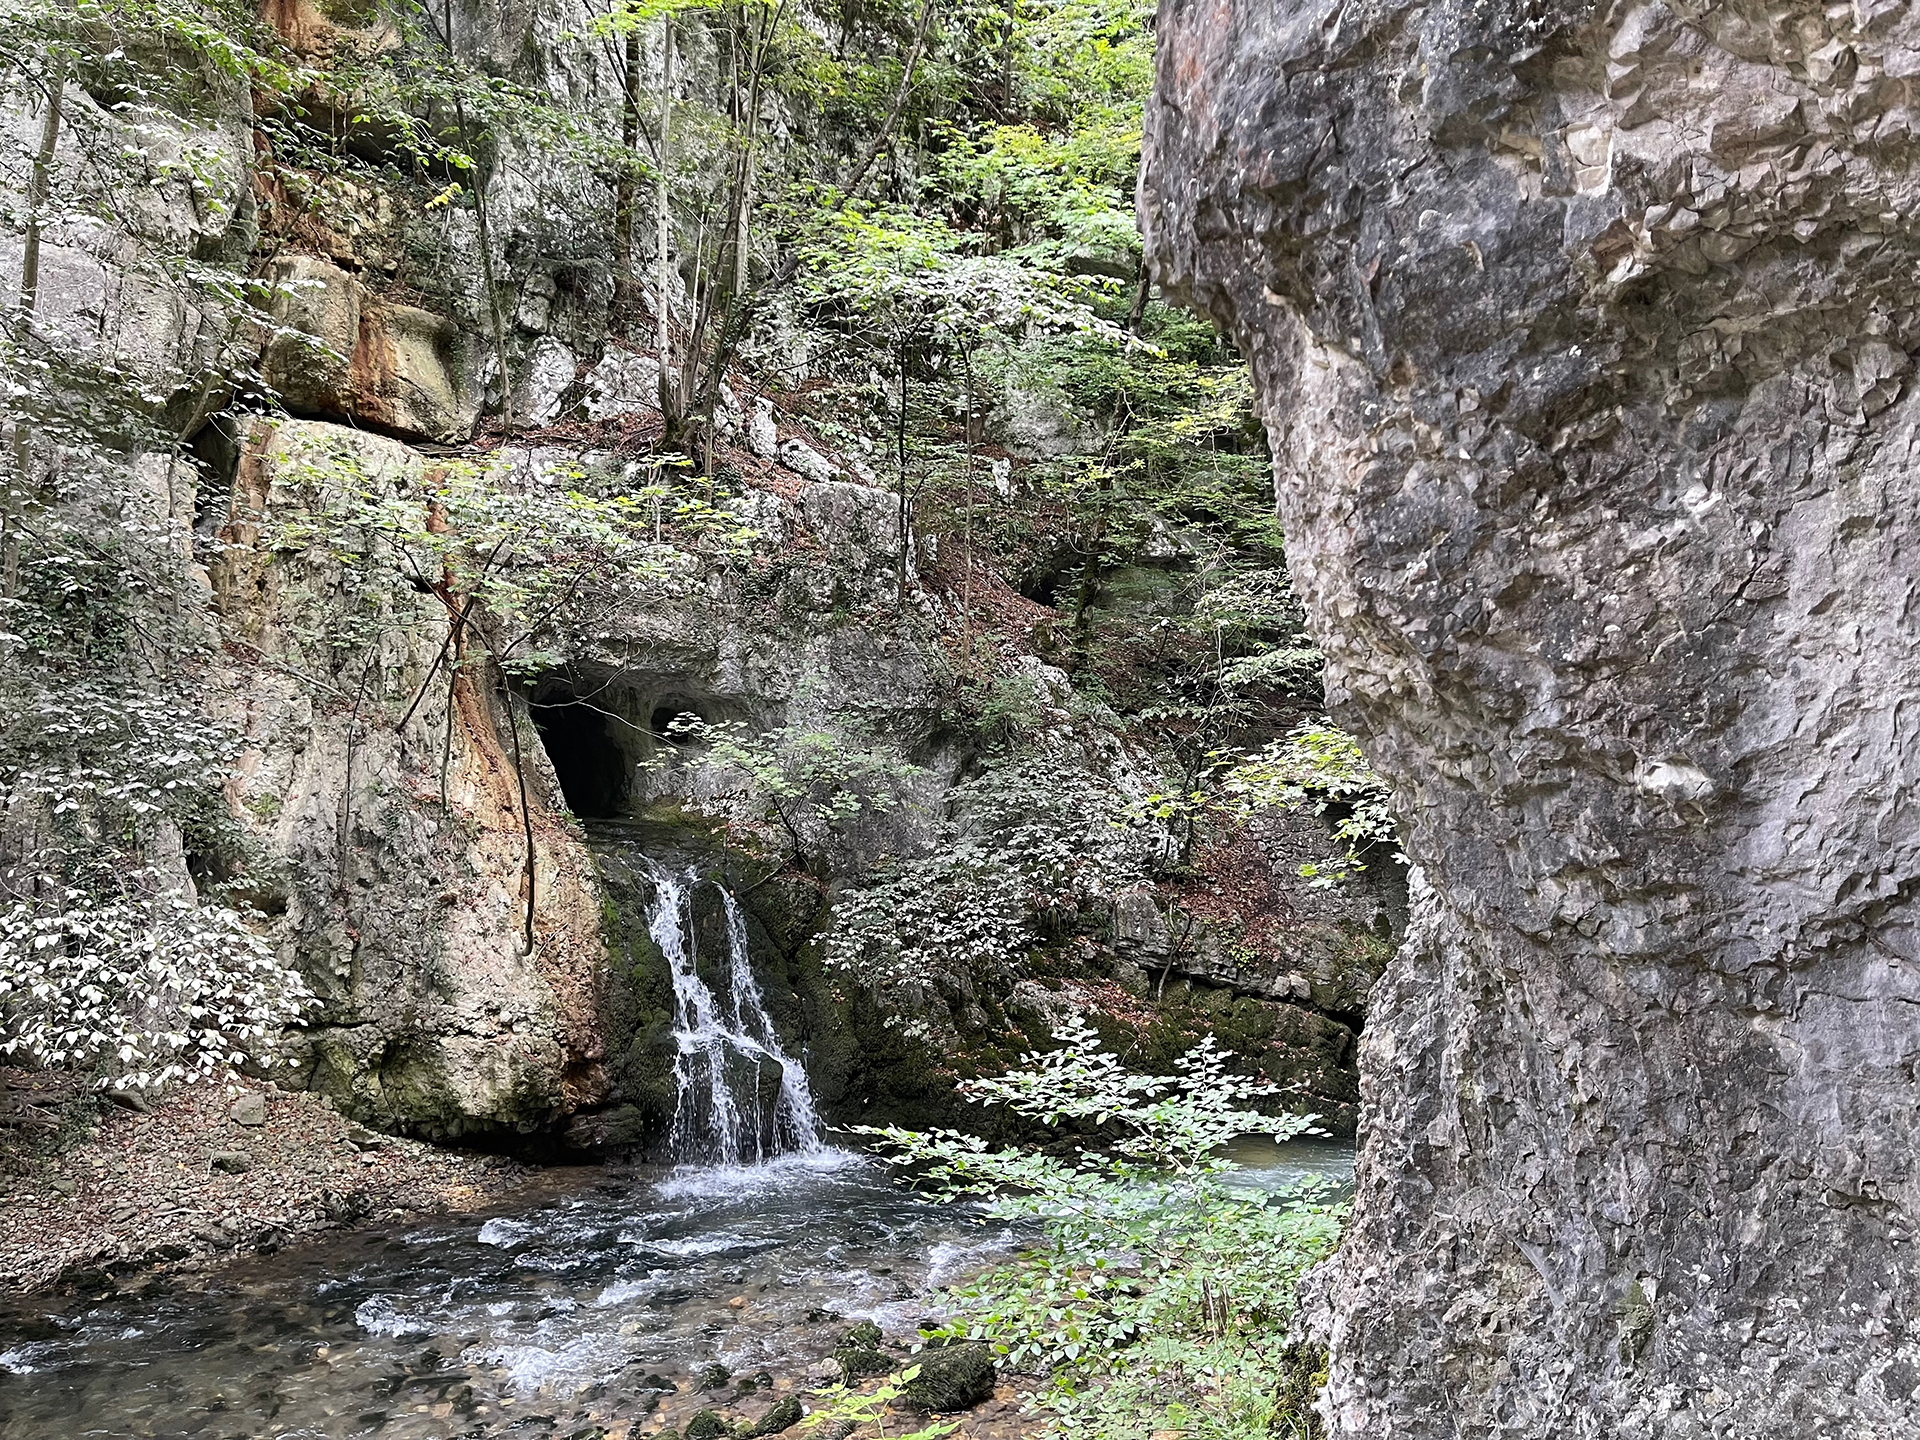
column 859, row 1355
column 211, row 1235
column 344, row 1208
column 857, row 1364
column 233, row 1162
column 707, row 1425
column 783, row 1416
column 954, row 1377
column 250, row 1109
column 712, row 1377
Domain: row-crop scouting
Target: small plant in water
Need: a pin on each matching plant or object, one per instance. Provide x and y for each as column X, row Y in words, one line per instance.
column 1159, row 1301
column 838, row 1410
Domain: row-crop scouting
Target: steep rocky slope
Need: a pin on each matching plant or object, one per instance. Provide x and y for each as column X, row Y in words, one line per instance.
column 269, row 347
column 1584, row 334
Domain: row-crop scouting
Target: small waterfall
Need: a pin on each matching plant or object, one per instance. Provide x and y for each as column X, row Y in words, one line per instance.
column 725, row 1042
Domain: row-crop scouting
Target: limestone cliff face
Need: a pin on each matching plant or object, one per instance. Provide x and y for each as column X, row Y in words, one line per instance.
column 1584, row 337
column 393, row 854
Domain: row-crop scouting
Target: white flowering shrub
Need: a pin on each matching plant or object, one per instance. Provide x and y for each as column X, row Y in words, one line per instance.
column 106, row 964
column 96, row 747
column 148, row 988
column 1030, row 848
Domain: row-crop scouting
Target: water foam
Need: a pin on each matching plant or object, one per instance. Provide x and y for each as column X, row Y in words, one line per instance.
column 734, row 1182
column 381, row 1316
column 505, row 1233
column 723, row 1042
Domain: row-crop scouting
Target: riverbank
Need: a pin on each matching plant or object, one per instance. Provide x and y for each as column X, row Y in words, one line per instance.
column 605, row 1302
column 208, row 1173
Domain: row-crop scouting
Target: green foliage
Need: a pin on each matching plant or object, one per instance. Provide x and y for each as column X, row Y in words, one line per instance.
column 1314, row 765
column 1029, row 850
column 811, row 784
column 840, row 1406
column 1161, row 1297
column 1322, row 766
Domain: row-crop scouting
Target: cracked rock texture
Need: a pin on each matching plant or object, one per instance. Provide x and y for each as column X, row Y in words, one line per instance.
column 1583, row 333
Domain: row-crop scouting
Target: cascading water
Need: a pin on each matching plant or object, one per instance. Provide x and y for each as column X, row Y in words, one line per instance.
column 725, row 1043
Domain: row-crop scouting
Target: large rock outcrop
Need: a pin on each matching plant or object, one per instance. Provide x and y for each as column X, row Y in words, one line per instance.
column 1583, row 332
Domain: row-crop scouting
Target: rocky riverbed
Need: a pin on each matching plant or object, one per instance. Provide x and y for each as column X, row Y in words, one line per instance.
column 208, row 1172
column 593, row 1302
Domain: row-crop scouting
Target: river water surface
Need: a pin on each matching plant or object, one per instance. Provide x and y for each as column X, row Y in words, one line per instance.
column 533, row 1322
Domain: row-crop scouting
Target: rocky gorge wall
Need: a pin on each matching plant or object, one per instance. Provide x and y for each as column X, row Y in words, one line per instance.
column 381, row 842
column 1584, row 337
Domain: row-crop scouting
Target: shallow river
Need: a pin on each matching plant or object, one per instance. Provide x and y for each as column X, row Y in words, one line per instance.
column 527, row 1323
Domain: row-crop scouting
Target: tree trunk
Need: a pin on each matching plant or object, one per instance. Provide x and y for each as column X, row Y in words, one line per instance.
column 1605, row 514
column 663, row 235
column 20, row 487
column 624, row 203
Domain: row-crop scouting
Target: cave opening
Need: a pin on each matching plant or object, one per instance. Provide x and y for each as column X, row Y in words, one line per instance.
column 594, row 772
column 660, row 724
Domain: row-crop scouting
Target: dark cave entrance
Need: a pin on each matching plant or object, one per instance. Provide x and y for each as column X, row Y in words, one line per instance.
column 595, row 773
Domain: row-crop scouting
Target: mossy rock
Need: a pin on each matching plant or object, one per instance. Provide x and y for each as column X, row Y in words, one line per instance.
column 712, row 1377
column 706, row 1425
column 783, row 1416
column 858, row 1364
column 954, row 1377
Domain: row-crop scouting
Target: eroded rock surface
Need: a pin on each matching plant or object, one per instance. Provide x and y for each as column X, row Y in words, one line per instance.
column 1583, row 333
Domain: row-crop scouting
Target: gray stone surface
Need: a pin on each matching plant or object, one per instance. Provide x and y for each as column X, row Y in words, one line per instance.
column 1582, row 333
column 249, row 1109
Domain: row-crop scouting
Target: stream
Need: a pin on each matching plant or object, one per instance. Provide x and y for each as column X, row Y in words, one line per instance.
column 561, row 1312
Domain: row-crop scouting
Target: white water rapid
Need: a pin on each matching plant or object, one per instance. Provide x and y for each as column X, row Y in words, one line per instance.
column 726, row 1043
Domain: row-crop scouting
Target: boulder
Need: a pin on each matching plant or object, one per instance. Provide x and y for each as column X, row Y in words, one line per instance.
column 343, row 354
column 859, row 1354
column 625, row 382
column 783, row 1416
column 804, row 460
column 953, row 1377
column 763, row 432
column 1581, row 334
